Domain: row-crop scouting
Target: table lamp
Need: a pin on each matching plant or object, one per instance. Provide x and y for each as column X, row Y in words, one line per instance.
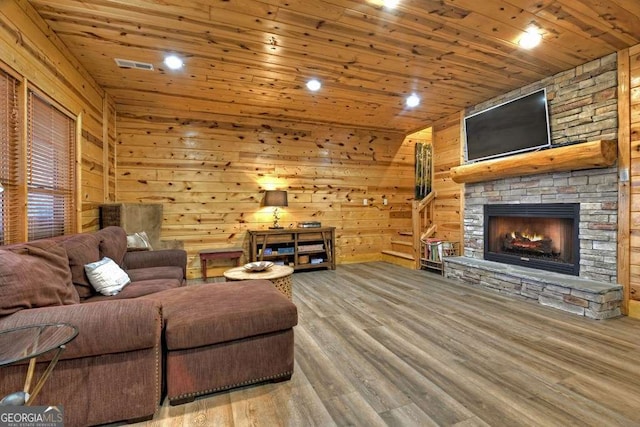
column 275, row 198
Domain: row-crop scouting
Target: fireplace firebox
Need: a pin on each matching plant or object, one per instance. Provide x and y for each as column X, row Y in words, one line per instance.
column 542, row 236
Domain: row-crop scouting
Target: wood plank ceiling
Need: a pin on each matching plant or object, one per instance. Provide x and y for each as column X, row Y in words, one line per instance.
column 249, row 58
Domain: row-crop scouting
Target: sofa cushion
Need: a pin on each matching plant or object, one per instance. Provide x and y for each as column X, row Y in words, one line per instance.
column 103, row 328
column 81, row 249
column 156, row 259
column 113, row 243
column 106, row 276
column 140, row 288
column 205, row 314
column 150, row 273
column 35, row 274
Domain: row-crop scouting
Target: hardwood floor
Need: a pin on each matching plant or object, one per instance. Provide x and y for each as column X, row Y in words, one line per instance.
column 378, row 344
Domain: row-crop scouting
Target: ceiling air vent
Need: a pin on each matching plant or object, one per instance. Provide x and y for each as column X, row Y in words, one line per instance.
column 126, row 63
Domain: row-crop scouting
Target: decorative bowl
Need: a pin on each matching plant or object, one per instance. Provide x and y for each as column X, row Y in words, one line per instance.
column 258, row 266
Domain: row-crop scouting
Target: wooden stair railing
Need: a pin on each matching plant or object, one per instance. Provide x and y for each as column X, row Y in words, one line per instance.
column 422, row 223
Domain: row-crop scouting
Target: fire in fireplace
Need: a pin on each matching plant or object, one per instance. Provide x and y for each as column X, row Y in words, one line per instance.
column 543, row 236
column 528, row 243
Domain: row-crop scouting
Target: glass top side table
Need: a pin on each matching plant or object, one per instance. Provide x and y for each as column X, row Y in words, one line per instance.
column 29, row 342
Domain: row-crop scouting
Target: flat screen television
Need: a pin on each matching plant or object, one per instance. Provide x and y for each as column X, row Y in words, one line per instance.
column 515, row 126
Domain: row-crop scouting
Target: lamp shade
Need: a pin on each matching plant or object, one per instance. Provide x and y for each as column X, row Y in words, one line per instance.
column 275, row 198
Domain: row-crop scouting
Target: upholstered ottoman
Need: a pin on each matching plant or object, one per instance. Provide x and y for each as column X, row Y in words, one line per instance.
column 224, row 335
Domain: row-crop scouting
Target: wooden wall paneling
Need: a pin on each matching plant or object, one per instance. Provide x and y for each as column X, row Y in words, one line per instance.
column 112, row 146
column 624, row 181
column 33, row 51
column 210, row 176
column 630, row 135
column 108, row 153
column 46, row 63
column 97, row 165
column 446, row 147
column 93, row 173
column 105, row 152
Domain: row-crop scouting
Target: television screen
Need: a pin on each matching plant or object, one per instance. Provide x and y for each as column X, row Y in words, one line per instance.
column 518, row 125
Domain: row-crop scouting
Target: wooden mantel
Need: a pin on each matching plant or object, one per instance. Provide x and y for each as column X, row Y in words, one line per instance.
column 587, row 155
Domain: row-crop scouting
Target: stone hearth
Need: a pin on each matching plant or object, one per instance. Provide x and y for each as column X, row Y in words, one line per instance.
column 584, row 297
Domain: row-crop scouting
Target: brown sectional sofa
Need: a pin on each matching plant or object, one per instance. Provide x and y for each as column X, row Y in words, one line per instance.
column 156, row 337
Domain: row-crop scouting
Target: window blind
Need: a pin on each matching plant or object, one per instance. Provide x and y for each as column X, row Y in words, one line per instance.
column 50, row 170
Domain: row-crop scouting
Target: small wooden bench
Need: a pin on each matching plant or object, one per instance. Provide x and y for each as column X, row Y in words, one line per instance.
column 222, row 253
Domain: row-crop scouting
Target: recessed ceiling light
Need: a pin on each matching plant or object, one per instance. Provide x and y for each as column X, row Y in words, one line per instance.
column 531, row 38
column 413, row 100
column 314, row 85
column 391, row 4
column 173, row 62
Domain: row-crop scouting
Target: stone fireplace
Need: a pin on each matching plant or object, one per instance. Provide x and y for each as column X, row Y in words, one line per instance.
column 542, row 236
column 568, row 261
column 593, row 192
column 590, row 290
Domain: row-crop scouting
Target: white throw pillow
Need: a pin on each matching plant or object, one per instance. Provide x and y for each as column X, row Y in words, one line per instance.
column 138, row 241
column 106, row 276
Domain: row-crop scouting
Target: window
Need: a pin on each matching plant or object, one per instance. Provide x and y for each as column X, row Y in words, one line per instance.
column 37, row 170
column 50, row 173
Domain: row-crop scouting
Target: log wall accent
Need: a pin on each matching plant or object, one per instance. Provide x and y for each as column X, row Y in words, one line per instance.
column 210, row 173
column 33, row 51
column 587, row 155
column 449, row 195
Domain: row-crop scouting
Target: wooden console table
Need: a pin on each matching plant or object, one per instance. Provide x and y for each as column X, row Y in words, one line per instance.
column 300, row 248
